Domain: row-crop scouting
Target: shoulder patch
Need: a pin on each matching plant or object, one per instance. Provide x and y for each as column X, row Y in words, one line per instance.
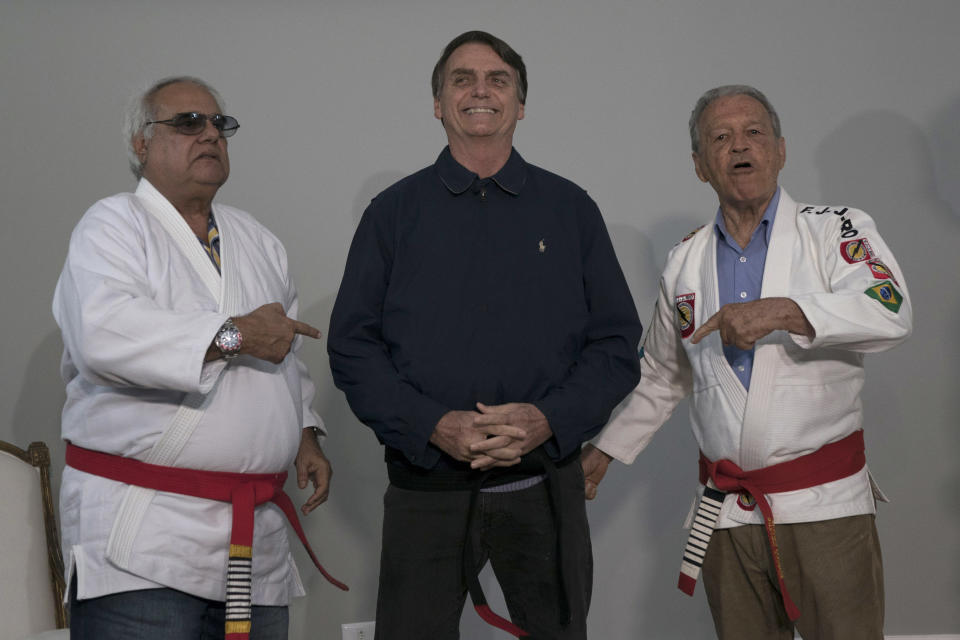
column 854, row 251
column 881, row 271
column 887, row 295
column 685, row 306
column 691, row 234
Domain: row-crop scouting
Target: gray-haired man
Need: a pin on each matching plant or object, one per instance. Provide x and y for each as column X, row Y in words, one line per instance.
column 763, row 319
column 183, row 395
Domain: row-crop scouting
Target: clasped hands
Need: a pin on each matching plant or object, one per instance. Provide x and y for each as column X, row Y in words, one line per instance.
column 493, row 435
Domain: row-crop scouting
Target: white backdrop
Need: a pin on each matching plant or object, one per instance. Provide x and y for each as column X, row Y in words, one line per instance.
column 334, row 104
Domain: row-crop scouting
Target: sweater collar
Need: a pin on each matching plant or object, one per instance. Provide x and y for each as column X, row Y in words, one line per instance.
column 457, row 178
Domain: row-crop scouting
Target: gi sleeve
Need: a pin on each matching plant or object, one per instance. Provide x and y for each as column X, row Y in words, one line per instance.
column 665, row 379
column 400, row 415
column 608, row 366
column 866, row 306
column 113, row 330
column 307, row 388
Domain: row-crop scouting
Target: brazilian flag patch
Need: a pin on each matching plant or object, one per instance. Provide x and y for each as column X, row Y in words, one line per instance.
column 887, row 295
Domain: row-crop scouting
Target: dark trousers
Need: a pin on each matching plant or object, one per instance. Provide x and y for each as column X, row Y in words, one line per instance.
column 422, row 591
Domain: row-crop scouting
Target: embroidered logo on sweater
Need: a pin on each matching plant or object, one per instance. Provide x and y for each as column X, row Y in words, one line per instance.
column 854, row 251
column 887, row 295
column 881, row 271
column 685, row 317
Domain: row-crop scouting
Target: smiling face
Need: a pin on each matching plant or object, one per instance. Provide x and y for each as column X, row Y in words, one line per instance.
column 478, row 99
column 739, row 154
column 183, row 167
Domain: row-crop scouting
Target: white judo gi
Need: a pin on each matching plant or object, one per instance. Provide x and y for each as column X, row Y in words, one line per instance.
column 139, row 302
column 803, row 393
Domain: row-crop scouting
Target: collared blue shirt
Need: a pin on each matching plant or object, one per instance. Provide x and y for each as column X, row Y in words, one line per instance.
column 740, row 276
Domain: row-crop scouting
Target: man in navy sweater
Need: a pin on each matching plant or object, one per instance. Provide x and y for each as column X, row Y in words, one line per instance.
column 484, row 331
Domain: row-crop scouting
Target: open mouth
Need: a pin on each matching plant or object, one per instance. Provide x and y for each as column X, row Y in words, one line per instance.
column 743, row 165
column 475, row 110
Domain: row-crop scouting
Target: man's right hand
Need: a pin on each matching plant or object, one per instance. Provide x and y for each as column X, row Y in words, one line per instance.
column 457, row 430
column 594, row 463
column 268, row 332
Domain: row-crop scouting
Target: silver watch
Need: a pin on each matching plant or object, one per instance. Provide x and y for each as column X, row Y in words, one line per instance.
column 228, row 340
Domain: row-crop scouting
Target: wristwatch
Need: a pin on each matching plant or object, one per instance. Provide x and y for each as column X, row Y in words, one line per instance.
column 228, row 340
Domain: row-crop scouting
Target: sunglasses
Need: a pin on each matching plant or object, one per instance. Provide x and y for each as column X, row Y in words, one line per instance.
column 192, row 123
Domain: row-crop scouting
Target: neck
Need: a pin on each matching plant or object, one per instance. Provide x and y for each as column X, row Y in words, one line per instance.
column 743, row 218
column 484, row 158
column 195, row 210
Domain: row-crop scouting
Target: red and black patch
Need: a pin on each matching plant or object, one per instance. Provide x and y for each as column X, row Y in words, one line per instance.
column 692, row 233
column 686, row 322
column 854, row 251
column 881, row 271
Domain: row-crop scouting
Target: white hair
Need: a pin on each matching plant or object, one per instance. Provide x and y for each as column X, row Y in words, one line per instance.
column 142, row 109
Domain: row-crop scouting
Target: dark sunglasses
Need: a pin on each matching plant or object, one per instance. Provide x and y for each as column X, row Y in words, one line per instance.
column 192, row 123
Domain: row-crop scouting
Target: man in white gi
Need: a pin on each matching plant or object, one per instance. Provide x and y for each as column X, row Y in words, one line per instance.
column 183, row 395
column 763, row 319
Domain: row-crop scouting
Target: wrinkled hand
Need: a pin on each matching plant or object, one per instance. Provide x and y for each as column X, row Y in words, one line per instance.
column 594, row 463
column 506, row 449
column 312, row 465
column 743, row 323
column 457, row 431
column 268, row 333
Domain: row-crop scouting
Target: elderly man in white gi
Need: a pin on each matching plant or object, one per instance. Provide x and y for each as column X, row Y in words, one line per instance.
column 185, row 402
column 763, row 319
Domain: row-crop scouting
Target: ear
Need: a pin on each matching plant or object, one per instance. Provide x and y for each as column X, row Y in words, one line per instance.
column 520, row 112
column 782, row 151
column 436, row 109
column 698, row 168
column 140, row 146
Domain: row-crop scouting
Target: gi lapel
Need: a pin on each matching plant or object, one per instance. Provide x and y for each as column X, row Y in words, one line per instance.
column 166, row 450
column 732, row 387
column 776, row 281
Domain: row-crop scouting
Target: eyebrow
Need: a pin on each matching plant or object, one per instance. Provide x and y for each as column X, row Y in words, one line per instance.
column 461, row 71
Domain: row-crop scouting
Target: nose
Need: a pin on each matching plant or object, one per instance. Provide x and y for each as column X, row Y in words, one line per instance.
column 209, row 132
column 740, row 143
column 480, row 89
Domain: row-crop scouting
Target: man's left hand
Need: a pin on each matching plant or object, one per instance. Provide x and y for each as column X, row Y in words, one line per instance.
column 501, row 450
column 743, row 323
column 312, row 465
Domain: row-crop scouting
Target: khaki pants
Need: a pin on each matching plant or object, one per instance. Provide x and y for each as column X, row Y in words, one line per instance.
column 832, row 569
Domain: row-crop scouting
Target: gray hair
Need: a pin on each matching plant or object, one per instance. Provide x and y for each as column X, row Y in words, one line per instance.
column 723, row 92
column 142, row 109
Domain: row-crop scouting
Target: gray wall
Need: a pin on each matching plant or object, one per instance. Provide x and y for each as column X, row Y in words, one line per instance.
column 334, row 103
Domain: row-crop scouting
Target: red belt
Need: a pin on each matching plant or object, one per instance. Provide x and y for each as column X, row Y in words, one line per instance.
column 831, row 462
column 243, row 490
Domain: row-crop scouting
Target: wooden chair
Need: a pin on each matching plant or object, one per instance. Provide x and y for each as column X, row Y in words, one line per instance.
column 31, row 562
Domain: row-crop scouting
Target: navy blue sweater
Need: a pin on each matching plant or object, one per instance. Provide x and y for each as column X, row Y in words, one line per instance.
column 458, row 290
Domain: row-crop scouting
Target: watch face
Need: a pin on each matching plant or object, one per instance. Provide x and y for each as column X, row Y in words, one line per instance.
column 229, row 339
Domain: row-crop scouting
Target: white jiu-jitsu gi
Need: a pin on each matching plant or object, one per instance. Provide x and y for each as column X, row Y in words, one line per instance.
column 803, row 393
column 139, row 302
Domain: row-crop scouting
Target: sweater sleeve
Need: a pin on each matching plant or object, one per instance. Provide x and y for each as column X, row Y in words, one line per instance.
column 400, row 415
column 608, row 366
